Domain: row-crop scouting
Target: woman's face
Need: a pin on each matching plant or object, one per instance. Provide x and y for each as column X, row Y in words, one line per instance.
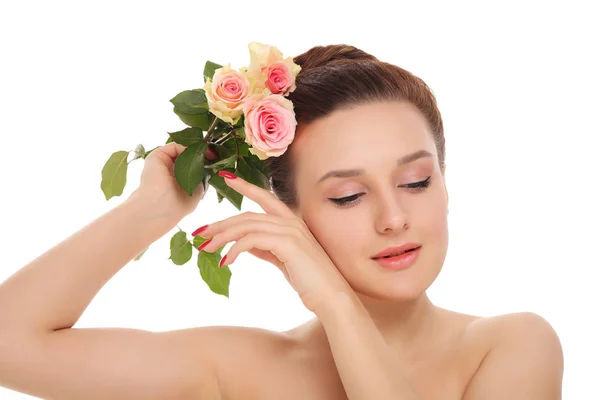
column 378, row 212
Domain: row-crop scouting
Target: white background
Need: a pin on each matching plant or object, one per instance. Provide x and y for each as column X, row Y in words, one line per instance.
column 517, row 85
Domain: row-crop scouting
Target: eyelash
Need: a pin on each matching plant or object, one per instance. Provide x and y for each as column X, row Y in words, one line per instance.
column 416, row 187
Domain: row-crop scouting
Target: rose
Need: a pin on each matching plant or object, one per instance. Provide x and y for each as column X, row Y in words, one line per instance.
column 262, row 54
column 281, row 76
column 268, row 69
column 226, row 93
column 269, row 124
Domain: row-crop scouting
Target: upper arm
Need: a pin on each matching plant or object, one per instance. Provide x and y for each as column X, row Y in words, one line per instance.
column 526, row 363
column 112, row 364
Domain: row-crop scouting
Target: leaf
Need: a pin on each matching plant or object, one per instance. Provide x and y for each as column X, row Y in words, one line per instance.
column 140, row 255
column 114, row 174
column 242, row 147
column 198, row 240
column 219, row 198
column 216, row 278
column 222, row 188
column 187, row 137
column 169, row 140
column 189, row 167
column 222, row 151
column 201, row 121
column 191, row 106
column 191, row 102
column 228, row 162
column 209, row 70
column 252, row 174
column 257, row 163
column 181, row 248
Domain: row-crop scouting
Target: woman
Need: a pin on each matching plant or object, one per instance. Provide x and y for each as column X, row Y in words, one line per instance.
column 362, row 181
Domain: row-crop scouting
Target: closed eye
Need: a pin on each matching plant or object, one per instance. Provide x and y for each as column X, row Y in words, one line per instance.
column 415, row 187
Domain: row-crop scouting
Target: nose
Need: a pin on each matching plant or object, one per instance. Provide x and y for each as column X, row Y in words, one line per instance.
column 391, row 216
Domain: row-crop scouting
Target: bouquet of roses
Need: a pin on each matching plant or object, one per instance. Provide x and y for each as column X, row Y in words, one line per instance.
column 242, row 115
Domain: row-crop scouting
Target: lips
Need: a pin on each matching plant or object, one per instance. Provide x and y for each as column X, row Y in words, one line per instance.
column 396, row 250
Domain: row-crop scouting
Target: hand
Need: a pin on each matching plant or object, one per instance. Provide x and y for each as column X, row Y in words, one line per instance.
column 159, row 187
column 282, row 239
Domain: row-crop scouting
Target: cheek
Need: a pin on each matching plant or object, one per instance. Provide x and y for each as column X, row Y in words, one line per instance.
column 339, row 234
column 432, row 221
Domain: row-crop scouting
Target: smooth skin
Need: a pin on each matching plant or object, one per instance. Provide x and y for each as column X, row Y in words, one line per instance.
column 375, row 333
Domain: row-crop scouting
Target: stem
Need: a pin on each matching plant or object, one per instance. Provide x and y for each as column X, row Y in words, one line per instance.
column 224, row 138
column 211, row 128
column 237, row 151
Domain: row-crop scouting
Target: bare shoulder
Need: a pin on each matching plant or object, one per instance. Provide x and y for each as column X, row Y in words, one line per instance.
column 246, row 356
column 524, row 358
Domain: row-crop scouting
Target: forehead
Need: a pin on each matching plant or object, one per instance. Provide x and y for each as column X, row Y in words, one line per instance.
column 370, row 136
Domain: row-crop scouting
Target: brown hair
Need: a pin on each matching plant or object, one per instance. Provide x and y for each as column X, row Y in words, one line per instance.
column 339, row 76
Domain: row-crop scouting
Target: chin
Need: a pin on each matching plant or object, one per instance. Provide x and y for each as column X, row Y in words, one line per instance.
column 395, row 286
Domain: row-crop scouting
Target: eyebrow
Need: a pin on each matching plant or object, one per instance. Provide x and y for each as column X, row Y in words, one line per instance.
column 345, row 173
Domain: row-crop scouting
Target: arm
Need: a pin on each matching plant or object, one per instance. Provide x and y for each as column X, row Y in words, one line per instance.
column 42, row 355
column 53, row 291
column 367, row 366
column 526, row 363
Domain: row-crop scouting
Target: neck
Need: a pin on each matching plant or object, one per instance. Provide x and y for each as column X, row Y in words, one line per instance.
column 403, row 324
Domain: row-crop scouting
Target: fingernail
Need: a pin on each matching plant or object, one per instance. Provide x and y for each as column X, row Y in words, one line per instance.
column 222, row 261
column 203, row 245
column 227, row 174
column 197, row 231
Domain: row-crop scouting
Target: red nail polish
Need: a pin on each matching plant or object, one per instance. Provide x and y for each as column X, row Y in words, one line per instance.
column 197, row 231
column 222, row 261
column 227, row 174
column 203, row 245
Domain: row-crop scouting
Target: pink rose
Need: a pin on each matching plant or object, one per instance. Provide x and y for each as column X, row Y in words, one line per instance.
column 279, row 78
column 226, row 94
column 267, row 69
column 270, row 125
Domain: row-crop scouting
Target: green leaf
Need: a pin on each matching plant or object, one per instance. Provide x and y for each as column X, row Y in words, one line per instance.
column 191, row 102
column 201, row 121
column 187, row 137
column 252, row 174
column 222, row 151
column 228, row 162
column 219, row 198
column 114, row 174
column 169, row 140
column 181, row 248
column 140, row 255
column 198, row 240
column 224, row 190
column 191, row 106
column 242, row 146
column 257, row 163
column 189, row 167
column 216, row 278
column 209, row 70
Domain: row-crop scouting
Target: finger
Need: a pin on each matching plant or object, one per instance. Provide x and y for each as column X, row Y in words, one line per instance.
column 211, row 154
column 222, row 225
column 238, row 231
column 261, row 241
column 172, row 149
column 264, row 198
column 267, row 256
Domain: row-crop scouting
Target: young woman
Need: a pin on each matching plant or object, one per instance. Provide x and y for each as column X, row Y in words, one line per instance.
column 362, row 182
